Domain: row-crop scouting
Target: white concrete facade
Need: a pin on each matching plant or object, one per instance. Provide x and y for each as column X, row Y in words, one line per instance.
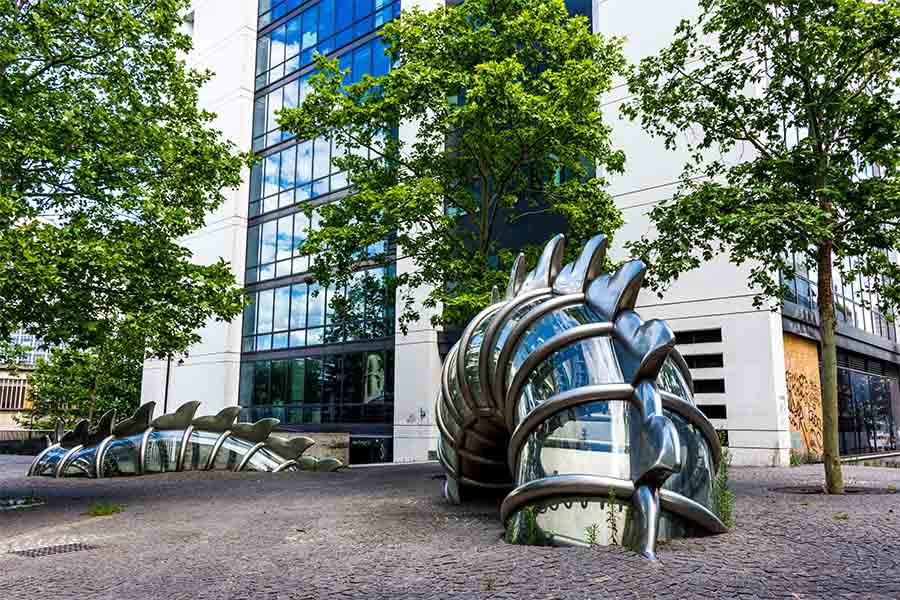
column 224, row 34
column 716, row 296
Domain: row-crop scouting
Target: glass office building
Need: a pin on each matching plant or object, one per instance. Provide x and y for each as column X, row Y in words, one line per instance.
column 317, row 359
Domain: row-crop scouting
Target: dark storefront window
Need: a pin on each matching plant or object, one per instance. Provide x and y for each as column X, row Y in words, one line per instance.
column 869, row 407
column 348, row 388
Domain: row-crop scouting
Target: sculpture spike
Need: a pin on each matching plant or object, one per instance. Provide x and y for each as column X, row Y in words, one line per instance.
column 647, row 345
column 291, row 448
column 219, row 422
column 78, row 435
column 516, row 277
column 577, row 276
column 255, row 432
column 103, row 430
column 495, row 295
column 548, row 266
column 609, row 295
column 180, row 419
column 138, row 422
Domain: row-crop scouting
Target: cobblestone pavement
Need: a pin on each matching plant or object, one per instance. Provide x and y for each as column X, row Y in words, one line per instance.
column 385, row 532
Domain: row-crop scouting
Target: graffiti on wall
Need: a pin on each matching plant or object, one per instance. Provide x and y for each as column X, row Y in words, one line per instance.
column 805, row 411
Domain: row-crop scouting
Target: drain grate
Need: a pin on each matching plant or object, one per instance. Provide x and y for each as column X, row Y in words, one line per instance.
column 49, row 550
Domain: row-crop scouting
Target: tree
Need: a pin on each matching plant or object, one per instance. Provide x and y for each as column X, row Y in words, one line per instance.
column 808, row 89
column 75, row 384
column 504, row 99
column 105, row 161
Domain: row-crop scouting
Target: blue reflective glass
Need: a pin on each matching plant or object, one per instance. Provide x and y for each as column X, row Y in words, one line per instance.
column 285, row 237
column 381, row 62
column 268, row 242
column 304, row 162
column 298, row 306
column 264, row 315
column 292, row 39
column 310, row 27
column 343, row 14
column 321, row 157
column 362, row 8
column 286, row 178
column 271, row 176
column 362, row 62
column 282, row 309
column 326, row 18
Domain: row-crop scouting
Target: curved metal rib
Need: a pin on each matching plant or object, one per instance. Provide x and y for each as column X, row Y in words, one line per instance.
column 100, row 455
column 182, row 450
column 695, row 417
column 490, row 338
column 464, row 342
column 285, row 465
column 61, row 465
column 37, row 459
column 570, row 336
column 594, row 486
column 248, row 456
column 215, row 449
column 511, row 343
column 574, row 397
column 142, row 451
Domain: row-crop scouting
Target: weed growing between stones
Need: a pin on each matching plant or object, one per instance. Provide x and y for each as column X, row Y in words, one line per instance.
column 723, row 497
column 592, row 535
column 611, row 518
column 102, row 510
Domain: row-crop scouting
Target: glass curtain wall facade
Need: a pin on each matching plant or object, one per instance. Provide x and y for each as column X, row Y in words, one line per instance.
column 868, row 405
column 319, row 360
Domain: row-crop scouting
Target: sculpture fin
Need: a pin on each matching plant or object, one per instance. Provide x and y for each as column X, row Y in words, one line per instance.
column 255, row 432
column 180, row 419
column 137, row 423
column 219, row 422
column 575, row 277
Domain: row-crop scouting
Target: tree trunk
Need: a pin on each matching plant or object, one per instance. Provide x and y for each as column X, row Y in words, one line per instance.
column 834, row 478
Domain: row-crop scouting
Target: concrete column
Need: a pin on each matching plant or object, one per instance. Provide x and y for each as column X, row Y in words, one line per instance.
column 224, row 33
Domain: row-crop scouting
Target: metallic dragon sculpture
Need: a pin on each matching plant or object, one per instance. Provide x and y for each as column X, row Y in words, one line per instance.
column 562, row 394
column 175, row 442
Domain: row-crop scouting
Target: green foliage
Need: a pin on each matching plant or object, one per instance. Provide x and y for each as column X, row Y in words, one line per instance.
column 722, row 496
column 592, row 534
column 105, row 160
column 790, row 114
column 612, row 523
column 891, row 488
column 797, row 458
column 504, row 99
column 103, row 510
column 77, row 384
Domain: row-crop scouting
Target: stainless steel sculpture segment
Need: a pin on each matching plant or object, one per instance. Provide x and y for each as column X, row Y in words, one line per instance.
column 175, row 442
column 562, row 394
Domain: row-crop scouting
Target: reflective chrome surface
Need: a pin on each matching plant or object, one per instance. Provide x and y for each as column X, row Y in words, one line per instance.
column 565, row 396
column 175, row 442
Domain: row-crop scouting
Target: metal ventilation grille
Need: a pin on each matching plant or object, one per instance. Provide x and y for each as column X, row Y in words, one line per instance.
column 49, row 550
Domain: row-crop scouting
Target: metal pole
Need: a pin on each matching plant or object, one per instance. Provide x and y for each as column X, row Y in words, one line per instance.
column 166, row 396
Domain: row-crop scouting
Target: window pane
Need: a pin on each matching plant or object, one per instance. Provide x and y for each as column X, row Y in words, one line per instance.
column 291, row 92
column 264, row 317
column 298, row 372
column 259, row 116
column 275, row 99
column 326, row 16
column 316, row 306
column 262, row 55
column 301, row 224
column 293, row 37
column 361, row 62
column 321, row 157
column 278, row 40
column 250, row 315
column 313, row 381
column 304, row 162
column 285, row 238
column 310, row 27
column 271, row 174
column 282, row 308
column 261, row 383
column 278, row 386
column 298, row 306
column 269, row 239
column 381, row 62
column 253, row 246
column 343, row 14
column 363, row 8
column 331, row 380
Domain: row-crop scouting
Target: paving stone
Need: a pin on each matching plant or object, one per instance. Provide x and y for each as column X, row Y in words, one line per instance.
column 386, row 533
